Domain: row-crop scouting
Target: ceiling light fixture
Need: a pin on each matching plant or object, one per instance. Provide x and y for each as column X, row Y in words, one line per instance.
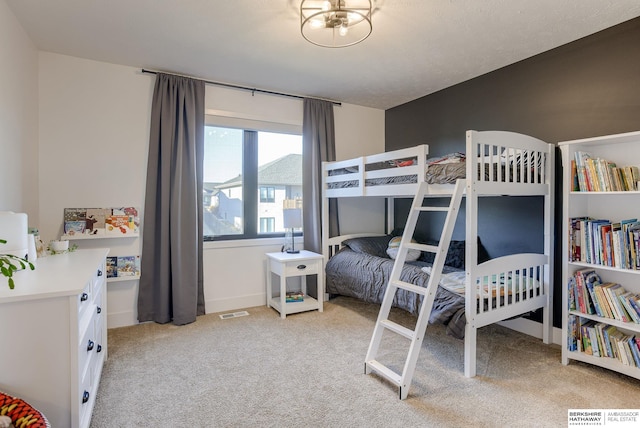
column 335, row 23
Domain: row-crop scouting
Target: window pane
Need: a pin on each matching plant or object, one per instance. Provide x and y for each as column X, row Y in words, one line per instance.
column 279, row 174
column 223, row 207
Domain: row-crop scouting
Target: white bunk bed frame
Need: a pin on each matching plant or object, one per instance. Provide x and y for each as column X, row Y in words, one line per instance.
column 534, row 159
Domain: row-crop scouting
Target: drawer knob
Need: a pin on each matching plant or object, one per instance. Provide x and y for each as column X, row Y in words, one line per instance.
column 84, row 297
column 85, row 397
column 99, row 272
column 99, row 310
column 301, row 267
column 90, row 345
column 99, row 349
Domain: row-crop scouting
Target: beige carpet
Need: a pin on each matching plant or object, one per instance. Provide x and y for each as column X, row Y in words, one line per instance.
column 307, row 370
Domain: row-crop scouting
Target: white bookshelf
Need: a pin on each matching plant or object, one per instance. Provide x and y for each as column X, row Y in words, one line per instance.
column 624, row 150
column 121, row 241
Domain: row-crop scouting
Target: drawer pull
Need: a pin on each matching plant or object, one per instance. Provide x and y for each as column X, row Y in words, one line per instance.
column 99, row 349
column 84, row 297
column 99, row 272
column 301, row 267
column 90, row 345
column 99, row 310
column 85, row 397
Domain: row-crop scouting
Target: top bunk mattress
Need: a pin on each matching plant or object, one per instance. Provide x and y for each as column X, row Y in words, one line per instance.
column 496, row 162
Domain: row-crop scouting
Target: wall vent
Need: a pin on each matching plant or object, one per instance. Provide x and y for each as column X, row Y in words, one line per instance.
column 234, row 315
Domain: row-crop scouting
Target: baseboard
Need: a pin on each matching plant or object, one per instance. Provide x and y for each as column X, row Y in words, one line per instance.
column 235, row 303
column 532, row 328
column 121, row 319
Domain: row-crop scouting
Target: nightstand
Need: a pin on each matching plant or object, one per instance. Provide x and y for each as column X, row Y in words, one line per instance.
column 287, row 265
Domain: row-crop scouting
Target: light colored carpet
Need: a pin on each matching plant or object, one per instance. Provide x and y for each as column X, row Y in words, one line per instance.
column 307, row 370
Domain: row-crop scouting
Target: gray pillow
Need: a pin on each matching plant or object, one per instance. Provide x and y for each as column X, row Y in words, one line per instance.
column 373, row 245
column 455, row 255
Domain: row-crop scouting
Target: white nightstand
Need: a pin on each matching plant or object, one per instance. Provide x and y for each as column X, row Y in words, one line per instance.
column 288, row 265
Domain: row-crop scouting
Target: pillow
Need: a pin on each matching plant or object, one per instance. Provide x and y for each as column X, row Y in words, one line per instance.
column 394, row 244
column 455, row 255
column 374, row 245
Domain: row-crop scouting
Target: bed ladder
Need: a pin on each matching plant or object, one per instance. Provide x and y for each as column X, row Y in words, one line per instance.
column 403, row 380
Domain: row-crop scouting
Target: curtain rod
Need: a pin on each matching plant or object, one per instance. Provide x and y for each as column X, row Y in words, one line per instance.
column 244, row 88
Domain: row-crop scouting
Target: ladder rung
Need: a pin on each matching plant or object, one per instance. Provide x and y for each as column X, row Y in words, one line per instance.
column 423, row 247
column 397, row 328
column 432, row 208
column 386, row 372
column 410, row 287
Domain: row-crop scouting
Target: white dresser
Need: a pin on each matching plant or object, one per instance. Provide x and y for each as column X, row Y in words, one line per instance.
column 53, row 335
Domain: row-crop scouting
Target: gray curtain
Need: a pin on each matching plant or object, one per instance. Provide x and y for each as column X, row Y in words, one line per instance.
column 171, row 264
column 318, row 145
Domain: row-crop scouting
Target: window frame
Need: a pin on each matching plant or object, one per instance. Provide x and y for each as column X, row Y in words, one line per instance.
column 250, row 188
column 270, row 194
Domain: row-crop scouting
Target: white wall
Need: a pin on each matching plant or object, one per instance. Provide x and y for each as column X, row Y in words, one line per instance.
column 18, row 118
column 94, row 120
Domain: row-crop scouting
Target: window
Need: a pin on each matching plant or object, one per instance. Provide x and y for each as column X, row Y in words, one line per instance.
column 267, row 194
column 247, row 175
column 267, row 224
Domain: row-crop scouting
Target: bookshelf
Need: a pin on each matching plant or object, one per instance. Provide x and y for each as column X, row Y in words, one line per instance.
column 583, row 251
column 118, row 228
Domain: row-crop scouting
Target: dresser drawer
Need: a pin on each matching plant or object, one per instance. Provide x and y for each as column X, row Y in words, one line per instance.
column 97, row 358
column 100, row 275
column 86, row 348
column 85, row 399
column 309, row 267
column 85, row 299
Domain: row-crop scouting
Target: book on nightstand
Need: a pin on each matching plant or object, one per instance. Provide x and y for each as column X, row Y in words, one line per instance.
column 294, row 296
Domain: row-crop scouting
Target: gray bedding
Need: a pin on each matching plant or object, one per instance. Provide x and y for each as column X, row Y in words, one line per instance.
column 364, row 276
column 436, row 174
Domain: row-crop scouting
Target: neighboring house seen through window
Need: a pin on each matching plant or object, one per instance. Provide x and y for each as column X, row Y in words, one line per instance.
column 247, row 176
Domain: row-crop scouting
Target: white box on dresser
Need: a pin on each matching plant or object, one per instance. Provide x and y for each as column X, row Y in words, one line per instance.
column 53, row 335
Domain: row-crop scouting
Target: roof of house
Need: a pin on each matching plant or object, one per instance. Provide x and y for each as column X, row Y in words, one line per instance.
column 283, row 171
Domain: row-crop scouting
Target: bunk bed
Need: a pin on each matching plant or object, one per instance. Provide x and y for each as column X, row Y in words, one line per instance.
column 473, row 293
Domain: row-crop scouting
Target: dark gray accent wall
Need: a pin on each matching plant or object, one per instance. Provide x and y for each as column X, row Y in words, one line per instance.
column 586, row 88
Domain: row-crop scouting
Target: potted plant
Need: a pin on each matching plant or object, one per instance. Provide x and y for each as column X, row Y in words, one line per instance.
column 10, row 264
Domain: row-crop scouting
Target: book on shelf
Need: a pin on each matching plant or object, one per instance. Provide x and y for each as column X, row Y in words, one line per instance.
column 585, row 280
column 612, row 290
column 95, row 220
column 602, row 175
column 128, row 266
column 603, row 301
column 602, row 341
column 112, row 267
column 123, row 267
column 606, row 243
column 101, row 221
column 635, row 352
column 572, row 327
column 294, row 296
column 625, row 300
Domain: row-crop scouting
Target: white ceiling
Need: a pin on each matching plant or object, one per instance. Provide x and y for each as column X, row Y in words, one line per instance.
column 417, row 46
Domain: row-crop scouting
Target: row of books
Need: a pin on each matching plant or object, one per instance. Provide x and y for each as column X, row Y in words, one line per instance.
column 602, row 175
column 124, row 266
column 294, row 296
column 602, row 242
column 589, row 295
column 603, row 340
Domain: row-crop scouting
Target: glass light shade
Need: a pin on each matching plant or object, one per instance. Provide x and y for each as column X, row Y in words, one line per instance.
column 335, row 23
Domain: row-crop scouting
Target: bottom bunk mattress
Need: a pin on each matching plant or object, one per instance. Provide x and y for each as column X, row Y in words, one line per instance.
column 364, row 276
